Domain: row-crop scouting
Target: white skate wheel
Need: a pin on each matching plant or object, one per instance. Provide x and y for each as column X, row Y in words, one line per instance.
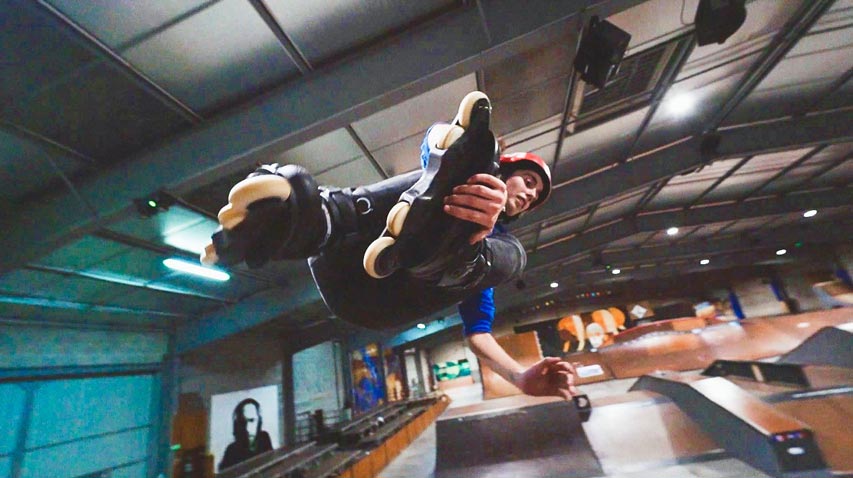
column 441, row 136
column 372, row 253
column 452, row 135
column 208, row 256
column 229, row 216
column 256, row 188
column 463, row 117
column 397, row 217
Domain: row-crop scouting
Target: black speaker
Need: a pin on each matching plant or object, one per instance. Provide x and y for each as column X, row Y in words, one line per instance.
column 601, row 50
column 717, row 20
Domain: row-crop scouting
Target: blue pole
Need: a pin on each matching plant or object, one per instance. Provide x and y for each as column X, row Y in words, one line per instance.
column 736, row 307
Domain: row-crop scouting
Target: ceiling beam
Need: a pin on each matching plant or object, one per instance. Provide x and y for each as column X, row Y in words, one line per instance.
column 657, row 221
column 403, row 66
column 781, row 135
column 789, row 35
column 746, row 250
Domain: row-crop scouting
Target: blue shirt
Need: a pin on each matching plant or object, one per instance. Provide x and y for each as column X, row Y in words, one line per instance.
column 478, row 312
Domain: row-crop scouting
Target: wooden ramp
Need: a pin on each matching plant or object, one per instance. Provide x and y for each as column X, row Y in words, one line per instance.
column 747, row 427
column 516, row 436
column 829, row 346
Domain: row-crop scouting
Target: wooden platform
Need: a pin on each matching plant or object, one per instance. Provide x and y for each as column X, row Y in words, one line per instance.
column 749, row 339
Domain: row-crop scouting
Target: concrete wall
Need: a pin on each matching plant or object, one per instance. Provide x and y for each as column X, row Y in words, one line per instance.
column 318, row 383
column 77, row 391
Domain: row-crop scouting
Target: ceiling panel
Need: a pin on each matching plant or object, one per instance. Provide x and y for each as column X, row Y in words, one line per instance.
column 209, row 59
column 684, row 189
column 117, row 23
column 534, row 136
column 616, row 208
column 804, row 74
column 177, row 227
column 752, row 174
column 26, row 166
column 83, row 253
column 322, row 30
column 632, row 240
column 706, row 230
column 400, row 157
column 414, row 116
column 537, row 103
column 35, row 52
column 357, row 172
column 838, row 176
column 748, row 225
column 561, row 229
column 795, row 177
column 27, row 282
column 322, row 153
column 100, row 112
column 607, row 143
column 528, row 70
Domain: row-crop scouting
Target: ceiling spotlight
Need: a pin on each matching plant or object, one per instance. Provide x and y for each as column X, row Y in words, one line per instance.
column 705, row 262
column 158, row 202
column 554, row 285
column 672, row 231
column 421, row 325
column 717, row 20
column 781, row 252
column 810, row 213
column 680, row 104
column 616, row 271
column 195, row 269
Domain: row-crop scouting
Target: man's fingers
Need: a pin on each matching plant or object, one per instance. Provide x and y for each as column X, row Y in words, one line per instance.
column 470, row 215
column 488, row 180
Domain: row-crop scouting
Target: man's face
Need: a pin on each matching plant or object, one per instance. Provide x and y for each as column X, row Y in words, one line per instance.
column 251, row 414
column 523, row 187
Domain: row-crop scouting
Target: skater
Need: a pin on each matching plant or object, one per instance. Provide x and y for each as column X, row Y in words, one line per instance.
column 407, row 247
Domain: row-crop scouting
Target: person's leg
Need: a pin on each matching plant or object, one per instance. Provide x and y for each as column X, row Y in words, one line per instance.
column 280, row 213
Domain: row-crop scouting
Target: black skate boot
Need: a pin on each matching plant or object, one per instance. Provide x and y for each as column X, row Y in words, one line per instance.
column 419, row 236
column 275, row 213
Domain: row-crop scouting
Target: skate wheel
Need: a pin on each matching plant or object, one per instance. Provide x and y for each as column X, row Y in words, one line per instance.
column 208, row 256
column 397, row 217
column 255, row 188
column 463, row 117
column 441, row 136
column 372, row 254
column 229, row 216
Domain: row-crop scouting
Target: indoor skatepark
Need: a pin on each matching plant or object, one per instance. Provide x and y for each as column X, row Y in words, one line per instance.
column 693, row 262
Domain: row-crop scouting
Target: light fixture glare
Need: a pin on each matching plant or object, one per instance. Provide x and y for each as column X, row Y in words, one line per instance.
column 672, row 231
column 190, row 268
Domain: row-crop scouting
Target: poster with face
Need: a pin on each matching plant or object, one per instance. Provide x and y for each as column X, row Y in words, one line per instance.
column 243, row 424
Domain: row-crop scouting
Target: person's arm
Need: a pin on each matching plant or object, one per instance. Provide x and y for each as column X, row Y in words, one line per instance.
column 549, row 376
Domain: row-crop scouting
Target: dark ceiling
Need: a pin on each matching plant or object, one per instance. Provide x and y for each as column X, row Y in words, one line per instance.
column 104, row 103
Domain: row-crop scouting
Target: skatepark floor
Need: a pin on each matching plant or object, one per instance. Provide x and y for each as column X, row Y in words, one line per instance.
column 418, row 460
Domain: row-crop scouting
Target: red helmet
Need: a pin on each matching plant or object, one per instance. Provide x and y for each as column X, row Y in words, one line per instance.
column 515, row 161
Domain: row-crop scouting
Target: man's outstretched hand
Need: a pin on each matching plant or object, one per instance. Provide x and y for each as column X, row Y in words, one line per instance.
column 549, row 376
column 481, row 201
